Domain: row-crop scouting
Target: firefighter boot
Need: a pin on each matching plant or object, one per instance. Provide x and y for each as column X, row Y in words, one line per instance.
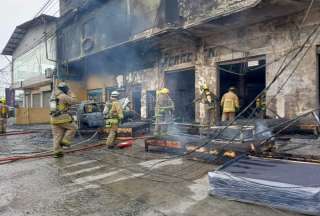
column 111, row 139
column 58, row 154
column 65, row 143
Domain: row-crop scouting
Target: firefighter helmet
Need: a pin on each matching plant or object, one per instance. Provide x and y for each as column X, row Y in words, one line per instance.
column 63, row 87
column 164, row 91
column 204, row 87
column 115, row 94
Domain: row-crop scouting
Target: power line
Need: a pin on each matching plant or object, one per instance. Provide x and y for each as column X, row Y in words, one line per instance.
column 281, row 71
column 43, row 8
column 52, row 7
column 48, row 36
column 284, row 61
column 6, row 57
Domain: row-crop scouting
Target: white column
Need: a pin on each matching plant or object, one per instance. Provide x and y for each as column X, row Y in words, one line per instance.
column 41, row 100
column 24, row 100
column 31, row 101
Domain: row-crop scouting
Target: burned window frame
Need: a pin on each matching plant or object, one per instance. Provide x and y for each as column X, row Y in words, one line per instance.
column 88, row 31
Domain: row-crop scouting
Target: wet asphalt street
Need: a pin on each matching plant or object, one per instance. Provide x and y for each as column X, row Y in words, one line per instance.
column 109, row 182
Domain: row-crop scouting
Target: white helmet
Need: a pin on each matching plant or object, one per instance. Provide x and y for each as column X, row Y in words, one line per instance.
column 63, row 87
column 115, row 94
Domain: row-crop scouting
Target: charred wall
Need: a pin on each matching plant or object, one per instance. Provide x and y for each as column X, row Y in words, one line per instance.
column 271, row 39
column 68, row 5
column 202, row 53
column 95, row 30
column 194, row 11
column 278, row 40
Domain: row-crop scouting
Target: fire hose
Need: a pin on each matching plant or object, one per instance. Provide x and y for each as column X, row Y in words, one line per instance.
column 12, row 133
column 126, row 142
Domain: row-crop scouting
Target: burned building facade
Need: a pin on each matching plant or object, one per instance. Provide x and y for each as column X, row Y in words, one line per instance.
column 139, row 46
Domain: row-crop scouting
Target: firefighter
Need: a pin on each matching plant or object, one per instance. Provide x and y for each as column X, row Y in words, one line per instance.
column 63, row 126
column 3, row 116
column 164, row 111
column 210, row 99
column 114, row 115
column 261, row 106
column 229, row 104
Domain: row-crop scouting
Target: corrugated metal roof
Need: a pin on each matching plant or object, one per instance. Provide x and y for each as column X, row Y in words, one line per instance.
column 21, row 30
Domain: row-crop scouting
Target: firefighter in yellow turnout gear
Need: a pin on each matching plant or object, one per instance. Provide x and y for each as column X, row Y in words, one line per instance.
column 63, row 126
column 211, row 100
column 230, row 105
column 261, row 107
column 114, row 114
column 3, row 116
column 164, row 112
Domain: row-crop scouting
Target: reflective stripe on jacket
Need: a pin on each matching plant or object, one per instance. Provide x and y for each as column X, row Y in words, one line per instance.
column 164, row 104
column 114, row 113
column 64, row 103
column 61, row 119
column 3, row 111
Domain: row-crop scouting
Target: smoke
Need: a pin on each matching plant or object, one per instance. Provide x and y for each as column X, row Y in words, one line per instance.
column 262, row 130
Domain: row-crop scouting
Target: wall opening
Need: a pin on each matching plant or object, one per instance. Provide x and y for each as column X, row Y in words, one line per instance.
column 136, row 99
column 151, row 104
column 182, row 91
column 172, row 11
column 249, row 78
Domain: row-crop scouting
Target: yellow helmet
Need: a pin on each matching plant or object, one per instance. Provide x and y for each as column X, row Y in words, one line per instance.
column 204, row 87
column 3, row 100
column 164, row 91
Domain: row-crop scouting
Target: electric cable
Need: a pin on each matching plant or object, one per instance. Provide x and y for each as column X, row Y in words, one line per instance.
column 287, row 126
column 291, row 187
column 307, row 13
column 53, row 5
column 158, row 179
column 281, row 71
column 291, row 122
column 45, row 7
column 285, row 82
column 50, row 35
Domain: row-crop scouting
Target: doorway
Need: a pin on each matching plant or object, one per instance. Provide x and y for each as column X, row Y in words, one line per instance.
column 151, row 104
column 136, row 99
column 247, row 76
column 182, row 91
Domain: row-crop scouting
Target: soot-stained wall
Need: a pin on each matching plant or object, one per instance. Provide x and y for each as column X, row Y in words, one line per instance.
column 114, row 22
column 195, row 11
column 296, row 90
column 272, row 39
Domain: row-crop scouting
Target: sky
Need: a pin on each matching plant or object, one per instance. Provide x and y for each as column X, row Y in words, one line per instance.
column 12, row 14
